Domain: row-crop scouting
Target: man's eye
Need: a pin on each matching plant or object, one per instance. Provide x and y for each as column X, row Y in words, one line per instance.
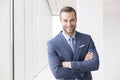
column 65, row 20
column 72, row 20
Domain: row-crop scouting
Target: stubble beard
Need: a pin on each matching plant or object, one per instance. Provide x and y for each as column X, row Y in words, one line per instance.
column 69, row 33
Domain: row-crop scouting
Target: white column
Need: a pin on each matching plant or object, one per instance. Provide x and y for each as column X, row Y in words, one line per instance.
column 5, row 45
column 19, row 46
column 42, row 31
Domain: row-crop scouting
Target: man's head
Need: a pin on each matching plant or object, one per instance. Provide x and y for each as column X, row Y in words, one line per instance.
column 68, row 19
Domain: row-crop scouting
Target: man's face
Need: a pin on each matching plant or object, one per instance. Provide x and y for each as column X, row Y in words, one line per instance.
column 68, row 21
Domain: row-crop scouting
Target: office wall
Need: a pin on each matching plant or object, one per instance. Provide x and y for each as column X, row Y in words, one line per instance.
column 111, row 21
column 90, row 21
column 32, row 30
column 5, row 58
column 111, row 48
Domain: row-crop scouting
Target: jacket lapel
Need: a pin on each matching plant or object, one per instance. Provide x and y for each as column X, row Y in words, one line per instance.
column 66, row 46
column 77, row 43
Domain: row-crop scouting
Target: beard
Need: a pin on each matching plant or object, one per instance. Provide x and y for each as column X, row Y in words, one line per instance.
column 69, row 30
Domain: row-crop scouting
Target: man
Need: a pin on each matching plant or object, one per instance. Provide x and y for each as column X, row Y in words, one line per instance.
column 72, row 55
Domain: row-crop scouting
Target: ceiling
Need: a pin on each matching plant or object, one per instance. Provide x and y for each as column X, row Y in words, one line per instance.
column 109, row 6
column 56, row 5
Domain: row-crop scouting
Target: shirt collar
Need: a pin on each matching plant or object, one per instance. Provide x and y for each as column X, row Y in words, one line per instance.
column 67, row 37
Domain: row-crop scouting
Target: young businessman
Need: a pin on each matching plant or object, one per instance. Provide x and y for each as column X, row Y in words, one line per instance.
column 72, row 55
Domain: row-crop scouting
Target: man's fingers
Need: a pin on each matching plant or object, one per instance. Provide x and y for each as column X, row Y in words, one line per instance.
column 89, row 56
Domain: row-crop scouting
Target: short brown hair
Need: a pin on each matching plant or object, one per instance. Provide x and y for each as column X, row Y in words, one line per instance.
column 68, row 9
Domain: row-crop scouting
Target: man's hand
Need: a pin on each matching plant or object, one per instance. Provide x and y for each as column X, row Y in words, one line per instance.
column 65, row 64
column 89, row 56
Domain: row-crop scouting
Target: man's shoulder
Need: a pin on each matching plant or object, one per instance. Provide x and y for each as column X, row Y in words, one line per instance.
column 80, row 34
column 54, row 39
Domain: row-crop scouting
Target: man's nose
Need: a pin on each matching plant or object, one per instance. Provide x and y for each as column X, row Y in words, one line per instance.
column 68, row 23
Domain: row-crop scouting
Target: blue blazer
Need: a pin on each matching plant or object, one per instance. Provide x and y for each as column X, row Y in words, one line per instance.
column 59, row 51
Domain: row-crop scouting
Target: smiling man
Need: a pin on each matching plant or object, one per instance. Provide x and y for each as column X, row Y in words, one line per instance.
column 72, row 55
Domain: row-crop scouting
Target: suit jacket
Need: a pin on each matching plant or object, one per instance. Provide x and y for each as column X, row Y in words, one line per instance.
column 59, row 51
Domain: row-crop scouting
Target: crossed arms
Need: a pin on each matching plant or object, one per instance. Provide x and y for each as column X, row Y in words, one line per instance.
column 62, row 70
column 67, row 64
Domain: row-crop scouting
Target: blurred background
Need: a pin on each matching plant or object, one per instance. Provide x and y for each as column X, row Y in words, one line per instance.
column 27, row 25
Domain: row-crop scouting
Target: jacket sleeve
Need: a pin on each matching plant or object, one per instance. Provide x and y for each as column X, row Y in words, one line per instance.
column 88, row 65
column 56, row 67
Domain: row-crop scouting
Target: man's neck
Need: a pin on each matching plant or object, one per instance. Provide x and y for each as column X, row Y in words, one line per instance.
column 69, row 34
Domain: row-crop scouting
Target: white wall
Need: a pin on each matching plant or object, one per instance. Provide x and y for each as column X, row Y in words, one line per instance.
column 5, row 52
column 90, row 21
column 112, row 39
column 56, row 25
column 112, row 48
column 32, row 30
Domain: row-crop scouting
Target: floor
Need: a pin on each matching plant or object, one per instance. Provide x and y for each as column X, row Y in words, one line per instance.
column 45, row 75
